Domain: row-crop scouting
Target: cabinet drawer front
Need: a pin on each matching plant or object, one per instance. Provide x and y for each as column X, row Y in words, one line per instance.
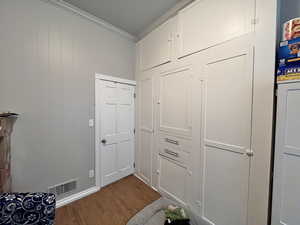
column 179, row 156
column 168, row 185
column 175, row 143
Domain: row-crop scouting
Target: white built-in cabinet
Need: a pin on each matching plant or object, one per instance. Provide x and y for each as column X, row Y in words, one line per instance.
column 227, row 136
column 176, row 105
column 156, row 48
column 286, row 197
column 175, row 128
column 207, row 23
column 145, row 127
column 197, row 115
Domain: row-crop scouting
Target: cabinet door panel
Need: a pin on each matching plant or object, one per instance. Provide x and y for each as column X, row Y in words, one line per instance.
column 145, row 126
column 145, row 150
column 172, row 179
column 227, row 138
column 156, row 47
column 226, row 187
column 287, row 157
column 146, row 103
column 175, row 102
column 229, row 102
column 207, row 23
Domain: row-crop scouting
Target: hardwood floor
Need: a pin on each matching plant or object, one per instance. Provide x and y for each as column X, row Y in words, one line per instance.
column 112, row 205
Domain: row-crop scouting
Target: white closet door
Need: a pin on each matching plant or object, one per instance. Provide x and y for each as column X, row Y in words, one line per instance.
column 116, row 130
column 175, row 116
column 286, row 194
column 207, row 23
column 227, row 136
column 173, row 177
column 156, row 47
column 146, row 128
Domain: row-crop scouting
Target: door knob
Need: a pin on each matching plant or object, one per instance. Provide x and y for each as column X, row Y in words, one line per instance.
column 103, row 141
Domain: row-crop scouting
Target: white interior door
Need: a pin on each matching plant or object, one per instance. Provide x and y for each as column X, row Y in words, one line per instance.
column 116, row 113
column 227, row 137
column 286, row 195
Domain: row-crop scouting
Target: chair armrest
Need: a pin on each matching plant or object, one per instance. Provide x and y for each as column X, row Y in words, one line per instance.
column 145, row 214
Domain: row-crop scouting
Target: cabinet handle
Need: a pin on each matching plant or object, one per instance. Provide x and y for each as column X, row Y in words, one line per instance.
column 249, row 152
column 171, row 152
column 172, row 141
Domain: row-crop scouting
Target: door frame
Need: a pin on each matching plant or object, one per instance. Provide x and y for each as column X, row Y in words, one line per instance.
column 98, row 156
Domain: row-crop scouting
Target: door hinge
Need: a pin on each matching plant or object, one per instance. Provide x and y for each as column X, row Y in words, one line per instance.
column 276, row 92
column 134, row 95
column 134, row 165
column 134, row 131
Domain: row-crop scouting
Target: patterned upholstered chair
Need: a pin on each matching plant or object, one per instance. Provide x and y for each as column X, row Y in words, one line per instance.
column 27, row 208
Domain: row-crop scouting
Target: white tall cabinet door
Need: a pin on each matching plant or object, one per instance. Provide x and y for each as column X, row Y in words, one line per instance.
column 116, row 130
column 175, row 115
column 173, row 178
column 146, row 127
column 286, row 194
column 227, row 135
column 156, row 47
column 178, row 141
column 207, row 23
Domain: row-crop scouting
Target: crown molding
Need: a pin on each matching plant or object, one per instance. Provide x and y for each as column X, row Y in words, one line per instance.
column 92, row 18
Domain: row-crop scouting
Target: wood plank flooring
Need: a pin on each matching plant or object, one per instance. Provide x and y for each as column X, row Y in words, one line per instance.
column 112, row 205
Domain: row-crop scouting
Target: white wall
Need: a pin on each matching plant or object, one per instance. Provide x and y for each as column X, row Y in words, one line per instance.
column 48, row 58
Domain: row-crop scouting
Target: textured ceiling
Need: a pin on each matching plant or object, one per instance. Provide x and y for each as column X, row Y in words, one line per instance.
column 132, row 16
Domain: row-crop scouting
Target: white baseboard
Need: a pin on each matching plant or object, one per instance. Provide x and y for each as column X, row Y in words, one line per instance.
column 154, row 189
column 77, row 196
column 140, row 178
